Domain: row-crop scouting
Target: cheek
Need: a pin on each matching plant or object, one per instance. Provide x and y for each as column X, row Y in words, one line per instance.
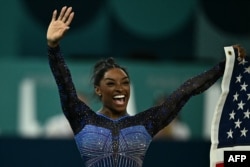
column 107, row 92
column 128, row 89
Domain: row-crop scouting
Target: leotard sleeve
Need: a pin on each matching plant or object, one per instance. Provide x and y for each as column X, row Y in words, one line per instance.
column 156, row 118
column 75, row 110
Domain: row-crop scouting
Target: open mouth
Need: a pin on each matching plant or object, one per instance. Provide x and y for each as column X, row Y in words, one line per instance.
column 119, row 99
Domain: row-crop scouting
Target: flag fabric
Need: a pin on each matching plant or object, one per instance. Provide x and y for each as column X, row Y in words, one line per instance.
column 230, row 129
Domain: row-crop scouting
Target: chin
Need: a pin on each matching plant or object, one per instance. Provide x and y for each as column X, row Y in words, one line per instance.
column 121, row 109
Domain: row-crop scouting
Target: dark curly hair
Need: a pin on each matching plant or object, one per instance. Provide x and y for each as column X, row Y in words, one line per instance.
column 102, row 66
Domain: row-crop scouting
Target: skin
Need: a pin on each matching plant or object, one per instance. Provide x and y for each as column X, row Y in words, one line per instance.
column 114, row 82
column 59, row 25
column 241, row 51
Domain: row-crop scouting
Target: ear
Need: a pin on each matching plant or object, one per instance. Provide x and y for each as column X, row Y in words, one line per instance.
column 98, row 91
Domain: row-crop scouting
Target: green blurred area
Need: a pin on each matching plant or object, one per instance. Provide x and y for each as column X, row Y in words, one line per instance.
column 150, row 81
column 161, row 43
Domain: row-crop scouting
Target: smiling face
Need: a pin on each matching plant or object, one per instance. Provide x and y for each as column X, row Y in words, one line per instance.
column 114, row 90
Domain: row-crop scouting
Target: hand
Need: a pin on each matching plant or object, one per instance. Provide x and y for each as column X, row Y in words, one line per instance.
column 241, row 52
column 58, row 26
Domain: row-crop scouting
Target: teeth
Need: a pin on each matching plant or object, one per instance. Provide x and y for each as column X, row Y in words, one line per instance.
column 119, row 96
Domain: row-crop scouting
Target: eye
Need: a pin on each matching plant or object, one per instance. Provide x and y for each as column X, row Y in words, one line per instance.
column 126, row 82
column 110, row 83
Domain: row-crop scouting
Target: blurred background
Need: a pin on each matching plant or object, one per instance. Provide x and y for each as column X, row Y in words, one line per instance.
column 161, row 43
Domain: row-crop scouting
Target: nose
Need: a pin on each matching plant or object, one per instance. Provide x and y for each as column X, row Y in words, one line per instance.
column 119, row 87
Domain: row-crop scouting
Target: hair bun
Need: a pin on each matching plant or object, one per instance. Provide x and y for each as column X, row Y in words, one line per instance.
column 102, row 66
column 105, row 63
column 110, row 61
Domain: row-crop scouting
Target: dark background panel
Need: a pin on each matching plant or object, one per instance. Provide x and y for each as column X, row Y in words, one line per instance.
column 229, row 16
column 178, row 45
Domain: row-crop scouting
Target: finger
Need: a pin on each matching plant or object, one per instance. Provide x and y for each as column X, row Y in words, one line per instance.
column 54, row 15
column 242, row 52
column 237, row 47
column 66, row 14
column 70, row 18
column 62, row 13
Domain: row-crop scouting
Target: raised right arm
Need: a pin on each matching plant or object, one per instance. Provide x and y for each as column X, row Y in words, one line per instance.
column 74, row 109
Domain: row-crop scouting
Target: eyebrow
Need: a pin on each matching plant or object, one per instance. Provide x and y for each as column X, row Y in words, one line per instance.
column 114, row 79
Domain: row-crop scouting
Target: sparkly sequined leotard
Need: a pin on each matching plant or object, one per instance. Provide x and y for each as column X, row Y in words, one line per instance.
column 103, row 142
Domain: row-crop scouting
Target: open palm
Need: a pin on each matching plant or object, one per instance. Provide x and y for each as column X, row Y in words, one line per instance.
column 58, row 26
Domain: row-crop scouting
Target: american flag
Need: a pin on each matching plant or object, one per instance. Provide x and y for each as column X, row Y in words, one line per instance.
column 230, row 128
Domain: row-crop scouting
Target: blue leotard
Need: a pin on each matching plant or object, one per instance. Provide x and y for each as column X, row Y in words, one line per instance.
column 103, row 142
